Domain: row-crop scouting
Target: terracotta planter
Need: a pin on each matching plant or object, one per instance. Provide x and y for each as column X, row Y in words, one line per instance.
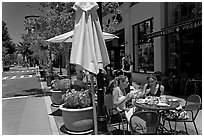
column 78, row 120
column 56, row 97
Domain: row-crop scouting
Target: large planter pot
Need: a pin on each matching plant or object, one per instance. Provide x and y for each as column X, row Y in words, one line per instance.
column 78, row 121
column 56, row 98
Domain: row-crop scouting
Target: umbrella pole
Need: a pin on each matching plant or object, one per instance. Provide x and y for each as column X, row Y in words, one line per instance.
column 102, row 125
column 94, row 106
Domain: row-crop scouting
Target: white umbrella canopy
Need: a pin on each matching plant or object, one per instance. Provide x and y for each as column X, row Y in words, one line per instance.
column 88, row 45
column 68, row 37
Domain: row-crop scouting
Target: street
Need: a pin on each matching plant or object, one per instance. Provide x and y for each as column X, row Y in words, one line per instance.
column 19, row 82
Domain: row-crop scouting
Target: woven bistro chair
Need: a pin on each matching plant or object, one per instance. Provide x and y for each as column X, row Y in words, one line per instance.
column 191, row 109
column 115, row 118
column 144, row 123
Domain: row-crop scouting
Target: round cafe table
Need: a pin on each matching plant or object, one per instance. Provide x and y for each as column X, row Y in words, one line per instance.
column 171, row 106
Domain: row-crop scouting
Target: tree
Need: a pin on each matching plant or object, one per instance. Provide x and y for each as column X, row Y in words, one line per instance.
column 23, row 48
column 8, row 47
column 59, row 18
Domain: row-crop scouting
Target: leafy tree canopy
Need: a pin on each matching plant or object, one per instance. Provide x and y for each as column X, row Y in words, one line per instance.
column 7, row 44
column 59, row 18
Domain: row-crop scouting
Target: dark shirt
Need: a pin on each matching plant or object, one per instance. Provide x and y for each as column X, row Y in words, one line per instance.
column 158, row 93
column 127, row 68
column 80, row 83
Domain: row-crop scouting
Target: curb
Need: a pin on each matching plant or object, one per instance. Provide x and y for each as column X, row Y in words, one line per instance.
column 47, row 101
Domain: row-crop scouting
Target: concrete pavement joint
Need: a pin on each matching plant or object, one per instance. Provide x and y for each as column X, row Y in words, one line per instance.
column 14, row 97
column 51, row 118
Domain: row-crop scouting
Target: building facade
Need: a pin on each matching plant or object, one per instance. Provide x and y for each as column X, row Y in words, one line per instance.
column 159, row 36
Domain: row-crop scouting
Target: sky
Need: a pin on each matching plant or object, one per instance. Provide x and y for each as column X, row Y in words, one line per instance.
column 13, row 14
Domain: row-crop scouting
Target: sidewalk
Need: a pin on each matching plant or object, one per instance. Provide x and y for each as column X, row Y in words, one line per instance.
column 28, row 115
column 25, row 116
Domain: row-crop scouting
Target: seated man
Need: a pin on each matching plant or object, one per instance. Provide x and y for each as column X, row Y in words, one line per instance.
column 79, row 81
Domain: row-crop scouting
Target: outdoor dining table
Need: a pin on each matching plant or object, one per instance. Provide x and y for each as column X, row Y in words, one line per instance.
column 173, row 103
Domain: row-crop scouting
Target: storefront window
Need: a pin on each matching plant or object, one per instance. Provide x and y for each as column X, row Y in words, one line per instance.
column 146, row 57
column 185, row 44
column 143, row 46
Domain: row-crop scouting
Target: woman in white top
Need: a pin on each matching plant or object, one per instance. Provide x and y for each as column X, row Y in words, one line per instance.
column 119, row 94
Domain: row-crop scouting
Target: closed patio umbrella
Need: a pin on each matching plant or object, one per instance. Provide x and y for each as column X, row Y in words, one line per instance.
column 88, row 45
column 68, row 37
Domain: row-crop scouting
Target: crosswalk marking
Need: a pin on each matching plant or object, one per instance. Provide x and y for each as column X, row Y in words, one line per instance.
column 18, row 77
column 5, row 78
column 13, row 77
column 19, row 71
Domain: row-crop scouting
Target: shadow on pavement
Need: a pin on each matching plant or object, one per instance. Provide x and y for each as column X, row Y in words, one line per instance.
column 58, row 112
column 64, row 130
column 30, row 92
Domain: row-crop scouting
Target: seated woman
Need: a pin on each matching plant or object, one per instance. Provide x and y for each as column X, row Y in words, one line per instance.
column 152, row 88
column 119, row 95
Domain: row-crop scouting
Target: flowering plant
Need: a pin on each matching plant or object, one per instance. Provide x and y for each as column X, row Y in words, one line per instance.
column 77, row 99
column 62, row 84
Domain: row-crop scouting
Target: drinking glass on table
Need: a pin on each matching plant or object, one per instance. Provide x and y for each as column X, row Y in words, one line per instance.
column 163, row 99
column 135, row 97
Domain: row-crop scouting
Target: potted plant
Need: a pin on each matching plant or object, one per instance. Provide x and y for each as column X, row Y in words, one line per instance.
column 77, row 111
column 58, row 88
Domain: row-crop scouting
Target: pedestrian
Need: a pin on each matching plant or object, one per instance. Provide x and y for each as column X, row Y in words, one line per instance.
column 37, row 69
column 127, row 68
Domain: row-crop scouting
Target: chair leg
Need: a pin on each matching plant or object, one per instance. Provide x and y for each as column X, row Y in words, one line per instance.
column 163, row 121
column 175, row 128
column 195, row 127
column 127, row 125
column 170, row 125
column 185, row 127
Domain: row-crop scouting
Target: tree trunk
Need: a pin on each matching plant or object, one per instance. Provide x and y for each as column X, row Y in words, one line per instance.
column 66, row 48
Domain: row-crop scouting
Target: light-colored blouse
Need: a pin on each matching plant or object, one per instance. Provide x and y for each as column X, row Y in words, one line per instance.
column 118, row 95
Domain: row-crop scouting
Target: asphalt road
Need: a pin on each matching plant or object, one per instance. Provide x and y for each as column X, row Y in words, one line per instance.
column 20, row 81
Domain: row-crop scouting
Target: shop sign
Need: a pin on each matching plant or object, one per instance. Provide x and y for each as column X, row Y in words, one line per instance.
column 175, row 29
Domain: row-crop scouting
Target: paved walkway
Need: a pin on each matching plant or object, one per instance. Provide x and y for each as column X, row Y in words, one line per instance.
column 25, row 116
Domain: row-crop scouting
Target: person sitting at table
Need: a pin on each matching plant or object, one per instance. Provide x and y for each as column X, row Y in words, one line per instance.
column 119, row 94
column 79, row 81
column 153, row 88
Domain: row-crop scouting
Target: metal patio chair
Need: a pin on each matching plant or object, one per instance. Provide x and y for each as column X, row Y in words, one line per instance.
column 115, row 118
column 144, row 123
column 192, row 107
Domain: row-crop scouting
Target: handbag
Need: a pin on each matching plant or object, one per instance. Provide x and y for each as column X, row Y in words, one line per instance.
column 175, row 114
